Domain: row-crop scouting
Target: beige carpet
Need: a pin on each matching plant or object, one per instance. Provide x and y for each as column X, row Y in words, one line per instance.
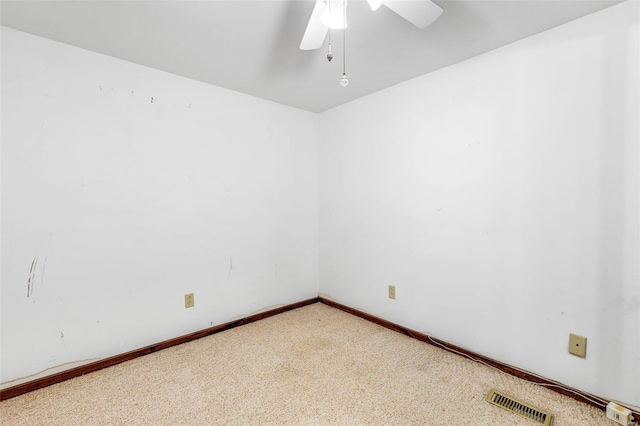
column 312, row 366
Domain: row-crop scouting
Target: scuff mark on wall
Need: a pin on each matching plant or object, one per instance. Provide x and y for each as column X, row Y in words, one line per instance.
column 44, row 266
column 62, row 337
column 265, row 309
column 230, row 268
column 48, row 369
column 32, row 276
column 152, row 99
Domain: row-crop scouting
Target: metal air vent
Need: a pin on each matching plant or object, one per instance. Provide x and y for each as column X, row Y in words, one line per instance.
column 520, row 408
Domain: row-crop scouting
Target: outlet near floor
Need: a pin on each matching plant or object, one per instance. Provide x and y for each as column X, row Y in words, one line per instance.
column 392, row 292
column 189, row 300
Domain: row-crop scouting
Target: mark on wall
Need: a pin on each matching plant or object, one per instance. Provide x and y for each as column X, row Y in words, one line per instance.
column 131, row 93
column 100, row 87
column 62, row 337
column 31, row 281
column 44, row 266
column 50, row 368
column 152, row 99
column 32, row 276
column 230, row 267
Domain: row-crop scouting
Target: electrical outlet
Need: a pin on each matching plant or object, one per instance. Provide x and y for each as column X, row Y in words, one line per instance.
column 189, row 300
column 577, row 345
column 392, row 292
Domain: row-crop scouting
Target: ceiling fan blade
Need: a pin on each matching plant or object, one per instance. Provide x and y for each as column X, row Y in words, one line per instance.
column 316, row 31
column 420, row 13
column 374, row 4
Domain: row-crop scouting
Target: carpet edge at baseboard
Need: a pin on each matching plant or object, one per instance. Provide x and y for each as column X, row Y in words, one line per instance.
column 513, row 371
column 30, row 386
column 22, row 388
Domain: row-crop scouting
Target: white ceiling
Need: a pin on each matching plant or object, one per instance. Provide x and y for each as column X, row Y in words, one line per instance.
column 252, row 46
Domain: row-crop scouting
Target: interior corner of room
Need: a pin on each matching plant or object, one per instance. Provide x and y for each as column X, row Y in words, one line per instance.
column 498, row 196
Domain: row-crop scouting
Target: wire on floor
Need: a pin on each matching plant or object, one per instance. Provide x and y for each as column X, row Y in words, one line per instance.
column 589, row 397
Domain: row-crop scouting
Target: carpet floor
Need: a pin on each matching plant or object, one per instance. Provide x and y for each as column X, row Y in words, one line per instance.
column 314, row 365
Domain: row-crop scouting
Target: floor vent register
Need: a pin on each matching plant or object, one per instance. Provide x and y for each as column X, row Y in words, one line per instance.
column 520, row 408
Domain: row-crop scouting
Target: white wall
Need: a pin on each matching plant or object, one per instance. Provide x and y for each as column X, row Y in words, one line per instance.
column 500, row 195
column 129, row 203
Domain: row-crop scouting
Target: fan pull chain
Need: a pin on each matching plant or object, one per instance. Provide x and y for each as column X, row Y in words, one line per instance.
column 344, row 81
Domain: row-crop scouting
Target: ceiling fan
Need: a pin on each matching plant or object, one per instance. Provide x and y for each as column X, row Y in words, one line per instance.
column 329, row 14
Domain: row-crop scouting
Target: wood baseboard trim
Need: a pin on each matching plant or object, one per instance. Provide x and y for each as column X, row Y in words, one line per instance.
column 30, row 386
column 550, row 384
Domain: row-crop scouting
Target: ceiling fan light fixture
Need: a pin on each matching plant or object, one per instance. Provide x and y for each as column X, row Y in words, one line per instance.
column 375, row 4
column 334, row 15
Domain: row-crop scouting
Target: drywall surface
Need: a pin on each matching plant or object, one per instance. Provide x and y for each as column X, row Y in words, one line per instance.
column 124, row 188
column 500, row 196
